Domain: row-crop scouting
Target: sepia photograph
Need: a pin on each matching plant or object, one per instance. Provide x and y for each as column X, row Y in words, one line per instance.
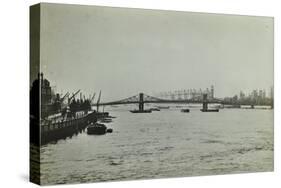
column 128, row 94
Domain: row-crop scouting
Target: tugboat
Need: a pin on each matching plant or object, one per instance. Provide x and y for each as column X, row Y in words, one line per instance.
column 209, row 110
column 141, row 111
column 163, row 107
column 96, row 128
column 185, row 110
column 154, row 109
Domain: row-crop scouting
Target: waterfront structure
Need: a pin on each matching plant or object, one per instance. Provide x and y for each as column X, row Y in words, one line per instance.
column 56, row 121
column 187, row 94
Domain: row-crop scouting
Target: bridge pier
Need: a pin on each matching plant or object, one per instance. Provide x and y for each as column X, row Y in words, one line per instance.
column 141, row 103
column 141, row 106
column 205, row 105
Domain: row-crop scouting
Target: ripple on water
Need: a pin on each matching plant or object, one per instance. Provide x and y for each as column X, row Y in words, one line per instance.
column 165, row 144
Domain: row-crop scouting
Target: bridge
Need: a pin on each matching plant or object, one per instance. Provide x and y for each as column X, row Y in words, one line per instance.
column 142, row 98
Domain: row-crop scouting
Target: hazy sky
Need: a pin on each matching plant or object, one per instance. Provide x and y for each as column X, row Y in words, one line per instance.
column 126, row 51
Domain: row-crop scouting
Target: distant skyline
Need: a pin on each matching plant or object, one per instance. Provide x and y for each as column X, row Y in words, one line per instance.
column 126, row 51
column 246, row 93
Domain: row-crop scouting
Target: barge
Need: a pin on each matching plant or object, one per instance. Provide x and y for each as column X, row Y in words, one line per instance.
column 96, row 129
column 185, row 110
column 209, row 110
column 53, row 129
column 141, row 111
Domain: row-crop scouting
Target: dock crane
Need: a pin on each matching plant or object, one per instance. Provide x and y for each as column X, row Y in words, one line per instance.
column 66, row 95
column 92, row 99
column 98, row 101
column 73, row 95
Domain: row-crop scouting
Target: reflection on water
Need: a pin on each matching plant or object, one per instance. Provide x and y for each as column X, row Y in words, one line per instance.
column 164, row 144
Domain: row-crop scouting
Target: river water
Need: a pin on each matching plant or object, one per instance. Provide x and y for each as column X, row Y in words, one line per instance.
column 164, row 144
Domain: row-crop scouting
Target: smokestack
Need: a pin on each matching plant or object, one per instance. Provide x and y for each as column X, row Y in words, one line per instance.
column 42, row 78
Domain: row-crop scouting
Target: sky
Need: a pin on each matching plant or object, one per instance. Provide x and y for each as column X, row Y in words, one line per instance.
column 127, row 51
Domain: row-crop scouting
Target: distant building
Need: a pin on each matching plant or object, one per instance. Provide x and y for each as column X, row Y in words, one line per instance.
column 254, row 94
column 46, row 91
column 242, row 95
column 260, row 94
column 212, row 91
column 263, row 94
column 271, row 93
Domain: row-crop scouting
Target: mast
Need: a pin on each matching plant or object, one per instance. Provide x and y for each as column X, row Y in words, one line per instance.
column 92, row 99
column 98, row 101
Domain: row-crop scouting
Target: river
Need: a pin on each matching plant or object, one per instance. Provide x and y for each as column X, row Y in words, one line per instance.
column 164, row 144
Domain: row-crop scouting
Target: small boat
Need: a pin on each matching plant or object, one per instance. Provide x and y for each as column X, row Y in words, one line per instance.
column 185, row 110
column 154, row 109
column 163, row 107
column 96, row 128
column 209, row 110
column 141, row 111
column 109, row 130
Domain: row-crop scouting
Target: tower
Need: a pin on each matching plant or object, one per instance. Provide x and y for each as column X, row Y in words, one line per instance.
column 212, row 91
